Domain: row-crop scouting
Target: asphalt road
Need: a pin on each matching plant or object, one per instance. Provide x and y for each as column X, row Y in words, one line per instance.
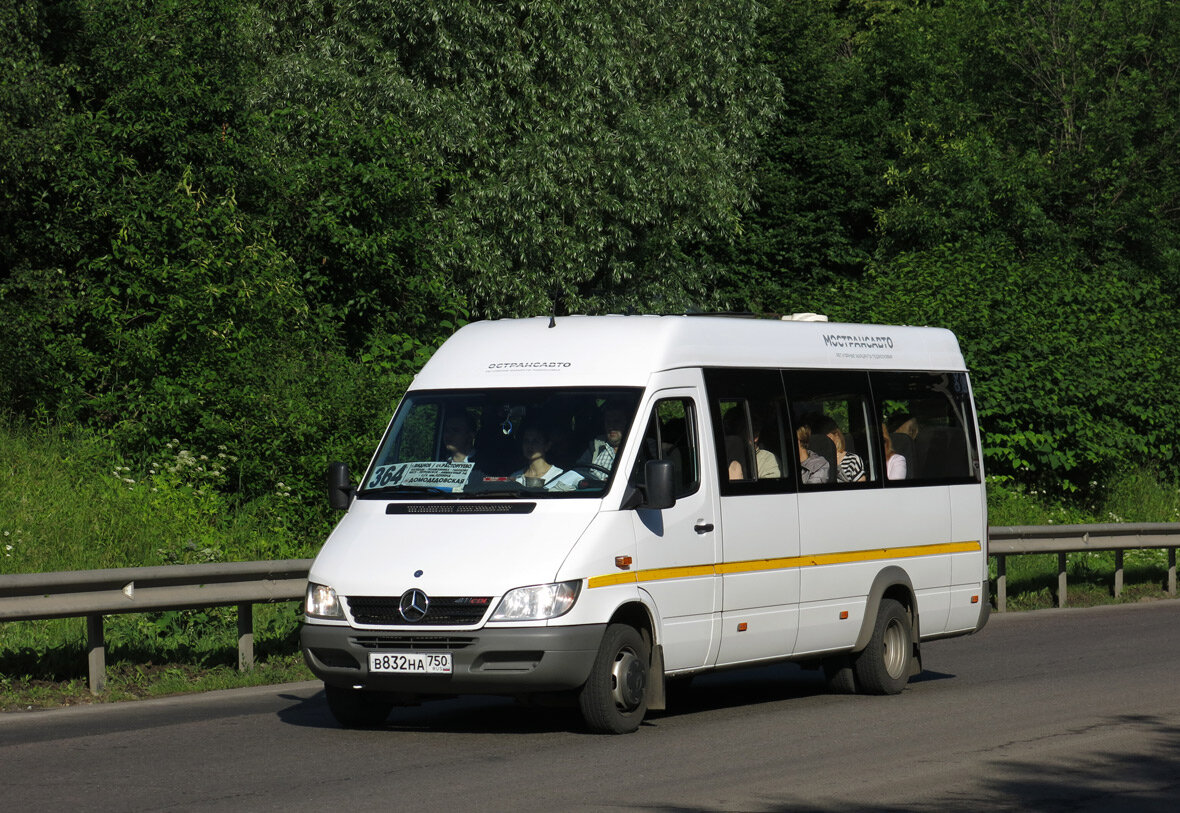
column 1052, row 710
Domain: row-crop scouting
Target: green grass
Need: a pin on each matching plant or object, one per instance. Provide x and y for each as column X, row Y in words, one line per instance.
column 1032, row 579
column 1136, row 496
column 135, row 680
column 43, row 662
column 68, row 502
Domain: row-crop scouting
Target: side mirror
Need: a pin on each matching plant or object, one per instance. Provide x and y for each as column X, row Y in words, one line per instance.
column 658, row 490
column 340, row 490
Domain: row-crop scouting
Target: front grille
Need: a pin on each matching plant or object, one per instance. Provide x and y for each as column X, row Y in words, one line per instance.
column 413, row 642
column 443, row 611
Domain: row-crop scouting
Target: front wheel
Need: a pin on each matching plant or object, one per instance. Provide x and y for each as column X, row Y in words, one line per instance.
column 614, row 697
column 884, row 665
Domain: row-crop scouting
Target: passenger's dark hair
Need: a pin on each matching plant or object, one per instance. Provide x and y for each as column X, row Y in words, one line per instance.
column 822, row 424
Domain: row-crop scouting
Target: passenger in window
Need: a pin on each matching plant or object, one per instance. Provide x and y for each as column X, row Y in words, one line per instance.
column 539, row 472
column 735, row 454
column 459, row 438
column 814, row 468
column 906, row 424
column 850, row 468
column 903, row 435
column 895, row 464
column 742, row 447
column 764, row 460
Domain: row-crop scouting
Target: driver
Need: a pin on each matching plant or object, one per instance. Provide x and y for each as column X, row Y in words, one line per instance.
column 604, row 448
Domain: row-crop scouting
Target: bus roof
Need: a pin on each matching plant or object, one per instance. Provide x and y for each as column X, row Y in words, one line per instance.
column 626, row 350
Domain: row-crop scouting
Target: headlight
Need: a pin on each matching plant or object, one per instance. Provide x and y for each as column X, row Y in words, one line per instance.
column 322, row 602
column 537, row 603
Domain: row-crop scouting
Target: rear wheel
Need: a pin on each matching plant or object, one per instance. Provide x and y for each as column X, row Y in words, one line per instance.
column 614, row 697
column 884, row 665
column 354, row 708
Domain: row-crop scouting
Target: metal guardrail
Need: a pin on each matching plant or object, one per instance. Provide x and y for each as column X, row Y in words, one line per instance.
column 1004, row 541
column 95, row 593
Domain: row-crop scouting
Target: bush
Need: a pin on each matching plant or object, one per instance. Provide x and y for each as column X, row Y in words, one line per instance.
column 1068, row 396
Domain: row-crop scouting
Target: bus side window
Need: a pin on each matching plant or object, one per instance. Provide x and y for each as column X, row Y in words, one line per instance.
column 832, row 409
column 930, row 420
column 753, row 440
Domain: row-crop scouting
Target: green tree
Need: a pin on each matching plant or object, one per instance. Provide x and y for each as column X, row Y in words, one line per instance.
column 128, row 99
column 1052, row 122
column 588, row 146
column 144, row 287
column 819, row 176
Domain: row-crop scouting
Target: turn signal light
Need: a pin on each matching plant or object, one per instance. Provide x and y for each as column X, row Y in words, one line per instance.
column 843, row 615
column 975, row 599
column 622, row 562
column 742, row 627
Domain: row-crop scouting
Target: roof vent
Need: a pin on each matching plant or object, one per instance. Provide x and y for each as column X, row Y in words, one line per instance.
column 805, row 317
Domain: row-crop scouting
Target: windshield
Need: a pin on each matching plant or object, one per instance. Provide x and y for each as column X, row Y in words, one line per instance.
column 541, row 442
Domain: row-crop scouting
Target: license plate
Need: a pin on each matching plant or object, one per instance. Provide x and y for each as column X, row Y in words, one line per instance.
column 428, row 663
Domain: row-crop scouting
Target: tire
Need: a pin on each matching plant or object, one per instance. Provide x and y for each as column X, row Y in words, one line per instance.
column 354, row 708
column 883, row 667
column 614, row 698
column 839, row 675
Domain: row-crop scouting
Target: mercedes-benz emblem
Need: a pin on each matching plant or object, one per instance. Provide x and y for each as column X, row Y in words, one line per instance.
column 413, row 605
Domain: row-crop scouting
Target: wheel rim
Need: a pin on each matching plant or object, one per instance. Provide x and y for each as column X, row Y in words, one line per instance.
column 628, row 680
column 894, row 653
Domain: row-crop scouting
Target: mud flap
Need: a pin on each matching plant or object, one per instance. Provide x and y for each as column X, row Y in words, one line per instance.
column 657, row 698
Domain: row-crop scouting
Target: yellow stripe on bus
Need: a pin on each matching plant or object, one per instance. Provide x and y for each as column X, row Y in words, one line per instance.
column 755, row 565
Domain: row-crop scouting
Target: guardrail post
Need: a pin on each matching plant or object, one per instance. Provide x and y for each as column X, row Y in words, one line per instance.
column 96, row 653
column 1061, row 581
column 245, row 637
column 1001, row 583
column 1118, row 573
column 1172, row 572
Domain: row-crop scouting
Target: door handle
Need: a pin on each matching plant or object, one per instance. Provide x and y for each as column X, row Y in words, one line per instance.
column 703, row 527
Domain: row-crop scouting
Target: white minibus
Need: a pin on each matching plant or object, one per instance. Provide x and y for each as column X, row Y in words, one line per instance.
column 589, row 507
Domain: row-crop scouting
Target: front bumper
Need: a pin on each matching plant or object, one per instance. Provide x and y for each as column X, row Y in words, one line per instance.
column 485, row 661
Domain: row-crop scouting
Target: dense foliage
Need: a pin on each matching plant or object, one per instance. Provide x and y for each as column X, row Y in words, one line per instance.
column 1004, row 168
column 246, row 223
